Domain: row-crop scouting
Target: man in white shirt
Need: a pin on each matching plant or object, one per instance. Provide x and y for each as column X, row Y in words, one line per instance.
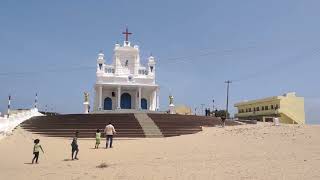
column 109, row 131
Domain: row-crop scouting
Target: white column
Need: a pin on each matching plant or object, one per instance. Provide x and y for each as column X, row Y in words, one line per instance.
column 158, row 103
column 151, row 98
column 119, row 98
column 139, row 98
column 136, row 105
column 100, row 97
column 154, row 100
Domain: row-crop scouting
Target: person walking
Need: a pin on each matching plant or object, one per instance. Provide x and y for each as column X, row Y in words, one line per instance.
column 223, row 121
column 36, row 149
column 74, row 146
column 109, row 131
column 98, row 139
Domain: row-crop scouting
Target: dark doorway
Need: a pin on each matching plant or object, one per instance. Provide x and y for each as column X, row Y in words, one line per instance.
column 144, row 103
column 125, row 101
column 107, row 104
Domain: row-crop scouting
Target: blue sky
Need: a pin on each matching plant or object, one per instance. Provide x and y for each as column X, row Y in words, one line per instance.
column 266, row 47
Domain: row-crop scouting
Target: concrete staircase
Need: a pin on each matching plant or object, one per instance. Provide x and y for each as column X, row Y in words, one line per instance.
column 148, row 126
column 130, row 125
column 289, row 116
column 126, row 125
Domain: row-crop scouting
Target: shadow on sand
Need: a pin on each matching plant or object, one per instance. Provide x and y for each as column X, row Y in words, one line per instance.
column 67, row 160
column 28, row 163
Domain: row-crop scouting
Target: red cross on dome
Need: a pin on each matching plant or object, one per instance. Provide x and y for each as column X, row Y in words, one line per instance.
column 127, row 33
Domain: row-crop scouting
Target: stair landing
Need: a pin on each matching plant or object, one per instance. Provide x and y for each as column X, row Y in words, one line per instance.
column 149, row 128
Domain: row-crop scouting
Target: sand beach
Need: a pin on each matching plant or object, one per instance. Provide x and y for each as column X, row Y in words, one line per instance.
column 259, row 151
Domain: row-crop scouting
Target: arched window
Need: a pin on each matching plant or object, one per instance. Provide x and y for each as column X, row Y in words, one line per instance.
column 107, row 104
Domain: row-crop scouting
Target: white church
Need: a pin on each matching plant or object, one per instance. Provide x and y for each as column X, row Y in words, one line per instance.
column 124, row 83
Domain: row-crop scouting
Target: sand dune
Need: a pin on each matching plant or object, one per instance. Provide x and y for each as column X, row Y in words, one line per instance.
column 241, row 152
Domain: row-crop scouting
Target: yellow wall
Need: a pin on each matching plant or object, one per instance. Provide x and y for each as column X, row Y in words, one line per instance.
column 183, row 109
column 291, row 108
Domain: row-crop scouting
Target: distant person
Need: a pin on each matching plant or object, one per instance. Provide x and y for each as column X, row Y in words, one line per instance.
column 36, row 149
column 223, row 121
column 98, row 139
column 276, row 120
column 206, row 111
column 74, row 146
column 109, row 131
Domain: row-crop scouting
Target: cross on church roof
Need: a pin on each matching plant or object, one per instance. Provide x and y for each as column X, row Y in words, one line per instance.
column 127, row 33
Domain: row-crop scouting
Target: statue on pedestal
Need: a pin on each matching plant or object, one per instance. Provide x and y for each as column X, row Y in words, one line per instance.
column 171, row 105
column 86, row 97
column 170, row 99
column 86, row 103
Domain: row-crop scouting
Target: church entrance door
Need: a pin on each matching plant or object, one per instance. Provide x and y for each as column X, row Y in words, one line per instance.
column 144, row 103
column 107, row 104
column 125, row 101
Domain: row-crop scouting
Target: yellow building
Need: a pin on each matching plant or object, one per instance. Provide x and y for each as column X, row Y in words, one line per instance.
column 183, row 109
column 288, row 107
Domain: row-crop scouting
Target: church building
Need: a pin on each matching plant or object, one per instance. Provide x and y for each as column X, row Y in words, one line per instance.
column 125, row 83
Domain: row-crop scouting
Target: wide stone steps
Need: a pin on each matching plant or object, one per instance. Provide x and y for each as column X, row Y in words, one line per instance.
column 170, row 124
column 138, row 125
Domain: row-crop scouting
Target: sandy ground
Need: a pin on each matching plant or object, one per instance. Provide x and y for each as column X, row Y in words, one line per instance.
column 242, row 152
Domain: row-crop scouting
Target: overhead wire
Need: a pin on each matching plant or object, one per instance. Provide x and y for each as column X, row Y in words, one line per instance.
column 171, row 60
column 181, row 59
column 278, row 66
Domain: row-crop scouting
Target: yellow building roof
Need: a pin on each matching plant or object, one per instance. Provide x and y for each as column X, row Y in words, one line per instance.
column 272, row 98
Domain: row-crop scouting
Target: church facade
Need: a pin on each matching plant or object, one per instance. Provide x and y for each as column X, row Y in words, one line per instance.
column 125, row 83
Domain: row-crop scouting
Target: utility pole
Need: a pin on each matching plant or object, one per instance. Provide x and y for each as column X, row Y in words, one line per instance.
column 228, row 82
column 9, row 105
column 212, row 105
column 36, row 101
column 202, row 108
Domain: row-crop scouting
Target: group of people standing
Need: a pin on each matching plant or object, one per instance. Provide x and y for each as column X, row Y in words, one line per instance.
column 207, row 112
column 109, row 132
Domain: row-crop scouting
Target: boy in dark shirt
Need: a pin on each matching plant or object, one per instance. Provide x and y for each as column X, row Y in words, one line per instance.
column 74, row 146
